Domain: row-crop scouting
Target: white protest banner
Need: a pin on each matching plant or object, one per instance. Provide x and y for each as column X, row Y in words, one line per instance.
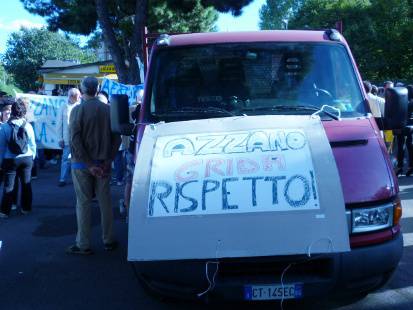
column 236, row 187
column 232, row 172
column 45, row 110
column 112, row 88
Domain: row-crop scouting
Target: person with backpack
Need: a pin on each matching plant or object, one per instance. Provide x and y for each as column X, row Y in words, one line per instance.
column 17, row 151
column 5, row 108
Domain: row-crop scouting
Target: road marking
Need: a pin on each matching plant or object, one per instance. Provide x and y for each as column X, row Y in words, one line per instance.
column 407, row 239
column 388, row 296
column 407, row 212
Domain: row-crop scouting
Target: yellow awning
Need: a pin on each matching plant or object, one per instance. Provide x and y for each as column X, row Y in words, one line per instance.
column 75, row 80
column 63, row 82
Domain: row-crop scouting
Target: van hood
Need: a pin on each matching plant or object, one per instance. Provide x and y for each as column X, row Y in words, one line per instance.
column 362, row 160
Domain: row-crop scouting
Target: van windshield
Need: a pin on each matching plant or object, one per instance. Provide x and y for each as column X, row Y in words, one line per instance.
column 221, row 80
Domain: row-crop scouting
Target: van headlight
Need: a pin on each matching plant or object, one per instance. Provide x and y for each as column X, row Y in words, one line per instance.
column 371, row 219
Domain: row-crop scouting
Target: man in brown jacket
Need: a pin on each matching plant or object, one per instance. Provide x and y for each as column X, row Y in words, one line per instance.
column 93, row 147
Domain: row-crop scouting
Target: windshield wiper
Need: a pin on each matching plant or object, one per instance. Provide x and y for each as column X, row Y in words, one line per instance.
column 199, row 110
column 293, row 108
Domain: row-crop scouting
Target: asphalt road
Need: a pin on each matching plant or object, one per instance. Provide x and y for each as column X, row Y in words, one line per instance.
column 35, row 272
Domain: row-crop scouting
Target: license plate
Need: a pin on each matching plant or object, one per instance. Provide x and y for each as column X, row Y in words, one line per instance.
column 273, row 292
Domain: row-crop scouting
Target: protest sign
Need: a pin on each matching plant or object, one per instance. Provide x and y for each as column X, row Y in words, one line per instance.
column 236, row 187
column 232, row 172
column 45, row 110
column 112, row 88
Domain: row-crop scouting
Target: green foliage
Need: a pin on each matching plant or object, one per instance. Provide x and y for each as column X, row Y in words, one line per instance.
column 380, row 33
column 79, row 16
column 28, row 49
column 10, row 89
column 5, row 77
column 163, row 18
column 224, row 6
column 76, row 16
column 273, row 12
column 7, row 83
column 122, row 22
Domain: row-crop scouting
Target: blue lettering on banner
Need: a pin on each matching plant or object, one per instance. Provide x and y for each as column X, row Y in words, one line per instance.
column 43, row 133
column 206, row 190
column 253, row 188
column 166, row 195
column 54, row 106
column 274, row 181
column 225, row 194
column 313, row 185
column 306, row 191
column 245, row 142
column 159, row 195
column 218, row 184
column 179, row 191
column 105, row 84
column 115, row 88
column 43, row 107
column 45, row 111
column 37, row 107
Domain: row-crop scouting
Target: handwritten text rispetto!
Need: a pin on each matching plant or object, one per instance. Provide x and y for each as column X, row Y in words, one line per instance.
column 233, row 172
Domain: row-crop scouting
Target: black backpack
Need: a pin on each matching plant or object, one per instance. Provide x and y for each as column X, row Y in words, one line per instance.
column 19, row 140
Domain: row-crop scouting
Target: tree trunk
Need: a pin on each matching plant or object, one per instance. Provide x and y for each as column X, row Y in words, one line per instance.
column 136, row 46
column 109, row 36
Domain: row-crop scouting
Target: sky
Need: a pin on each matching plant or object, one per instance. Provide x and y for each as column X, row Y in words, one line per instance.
column 13, row 16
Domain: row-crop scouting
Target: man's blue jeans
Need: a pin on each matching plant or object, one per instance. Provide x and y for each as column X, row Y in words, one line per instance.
column 65, row 165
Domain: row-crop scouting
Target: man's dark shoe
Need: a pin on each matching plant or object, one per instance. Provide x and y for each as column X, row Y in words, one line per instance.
column 111, row 246
column 399, row 171
column 74, row 249
column 61, row 183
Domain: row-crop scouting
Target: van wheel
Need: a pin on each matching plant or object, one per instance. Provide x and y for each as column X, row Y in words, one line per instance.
column 153, row 293
column 386, row 277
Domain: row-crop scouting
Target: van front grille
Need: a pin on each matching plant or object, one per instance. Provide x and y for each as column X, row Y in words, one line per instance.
column 313, row 267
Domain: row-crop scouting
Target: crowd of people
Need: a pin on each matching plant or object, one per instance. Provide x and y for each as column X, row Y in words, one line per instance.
column 17, row 153
column 402, row 138
column 90, row 151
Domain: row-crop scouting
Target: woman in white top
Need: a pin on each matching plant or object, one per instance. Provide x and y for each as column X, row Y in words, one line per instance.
column 16, row 164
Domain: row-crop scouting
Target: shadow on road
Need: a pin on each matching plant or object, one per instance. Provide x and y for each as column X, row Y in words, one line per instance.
column 62, row 225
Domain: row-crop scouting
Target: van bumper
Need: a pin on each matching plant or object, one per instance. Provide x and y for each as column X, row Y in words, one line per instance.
column 360, row 270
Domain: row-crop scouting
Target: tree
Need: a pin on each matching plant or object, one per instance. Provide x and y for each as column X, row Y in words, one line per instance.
column 163, row 18
column 7, row 83
column 380, row 33
column 28, row 49
column 5, row 77
column 274, row 13
column 122, row 22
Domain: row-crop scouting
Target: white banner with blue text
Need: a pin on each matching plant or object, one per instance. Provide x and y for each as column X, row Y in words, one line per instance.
column 115, row 88
column 239, row 186
column 45, row 110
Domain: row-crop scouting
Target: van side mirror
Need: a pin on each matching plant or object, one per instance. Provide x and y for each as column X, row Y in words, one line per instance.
column 119, row 115
column 395, row 109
